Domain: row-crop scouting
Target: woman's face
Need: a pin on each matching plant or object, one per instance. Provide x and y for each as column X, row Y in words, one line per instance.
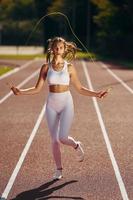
column 58, row 48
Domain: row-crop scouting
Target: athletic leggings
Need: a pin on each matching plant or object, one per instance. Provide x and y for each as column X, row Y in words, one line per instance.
column 59, row 115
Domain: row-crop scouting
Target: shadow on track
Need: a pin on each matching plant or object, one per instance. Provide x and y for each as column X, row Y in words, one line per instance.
column 43, row 193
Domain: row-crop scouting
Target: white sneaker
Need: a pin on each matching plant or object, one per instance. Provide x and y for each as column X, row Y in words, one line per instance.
column 57, row 175
column 80, row 152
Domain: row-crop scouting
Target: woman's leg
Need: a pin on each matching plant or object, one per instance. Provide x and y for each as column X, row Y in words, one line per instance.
column 65, row 124
column 53, row 125
column 66, row 118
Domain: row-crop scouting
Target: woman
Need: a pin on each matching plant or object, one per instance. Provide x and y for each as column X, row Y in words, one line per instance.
column 59, row 106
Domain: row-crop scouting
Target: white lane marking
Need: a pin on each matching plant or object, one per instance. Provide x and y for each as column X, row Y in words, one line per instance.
column 20, row 85
column 23, row 155
column 106, row 138
column 117, row 78
column 17, row 69
column 9, row 73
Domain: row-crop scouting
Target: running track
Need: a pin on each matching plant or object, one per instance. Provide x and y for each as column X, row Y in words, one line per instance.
column 104, row 127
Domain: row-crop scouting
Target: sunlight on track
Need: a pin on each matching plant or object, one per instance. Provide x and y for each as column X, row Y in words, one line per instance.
column 23, row 154
column 20, row 85
column 18, row 69
column 107, row 91
column 117, row 78
column 106, row 138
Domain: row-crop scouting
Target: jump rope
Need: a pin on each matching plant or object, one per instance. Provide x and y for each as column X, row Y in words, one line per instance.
column 69, row 24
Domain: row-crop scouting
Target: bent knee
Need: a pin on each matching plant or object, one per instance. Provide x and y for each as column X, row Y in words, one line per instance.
column 63, row 140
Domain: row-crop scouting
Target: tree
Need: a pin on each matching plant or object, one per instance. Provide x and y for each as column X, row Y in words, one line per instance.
column 114, row 20
column 42, row 8
column 17, row 19
column 77, row 12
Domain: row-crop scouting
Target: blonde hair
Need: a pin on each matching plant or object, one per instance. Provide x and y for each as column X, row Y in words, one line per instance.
column 70, row 48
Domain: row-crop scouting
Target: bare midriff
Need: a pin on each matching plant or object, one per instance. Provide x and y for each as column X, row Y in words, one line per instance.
column 58, row 88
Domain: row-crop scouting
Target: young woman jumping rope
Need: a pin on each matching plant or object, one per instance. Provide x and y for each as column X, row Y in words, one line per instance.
column 59, row 105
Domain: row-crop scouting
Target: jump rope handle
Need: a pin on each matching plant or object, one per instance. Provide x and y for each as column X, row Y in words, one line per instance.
column 106, row 92
column 10, row 85
column 109, row 89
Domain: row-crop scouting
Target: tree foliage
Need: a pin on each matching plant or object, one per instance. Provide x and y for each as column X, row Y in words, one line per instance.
column 17, row 10
column 114, row 21
column 103, row 25
column 17, row 20
column 77, row 13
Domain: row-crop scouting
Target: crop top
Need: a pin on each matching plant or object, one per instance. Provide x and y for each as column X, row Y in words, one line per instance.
column 58, row 77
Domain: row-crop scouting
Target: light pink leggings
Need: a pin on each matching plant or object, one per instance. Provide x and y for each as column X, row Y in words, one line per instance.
column 59, row 115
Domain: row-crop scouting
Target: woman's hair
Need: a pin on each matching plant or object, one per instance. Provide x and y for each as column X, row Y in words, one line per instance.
column 70, row 48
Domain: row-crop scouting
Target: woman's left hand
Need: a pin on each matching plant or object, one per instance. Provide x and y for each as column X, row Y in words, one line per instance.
column 102, row 94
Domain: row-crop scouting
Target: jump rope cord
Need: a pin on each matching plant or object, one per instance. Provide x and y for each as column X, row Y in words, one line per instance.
column 57, row 13
column 62, row 14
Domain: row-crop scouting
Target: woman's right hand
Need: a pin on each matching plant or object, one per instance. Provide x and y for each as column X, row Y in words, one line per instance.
column 15, row 90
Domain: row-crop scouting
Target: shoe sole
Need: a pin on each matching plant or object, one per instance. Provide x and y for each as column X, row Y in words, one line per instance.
column 80, row 143
column 56, row 179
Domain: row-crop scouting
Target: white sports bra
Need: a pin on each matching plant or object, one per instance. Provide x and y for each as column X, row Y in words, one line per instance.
column 58, row 77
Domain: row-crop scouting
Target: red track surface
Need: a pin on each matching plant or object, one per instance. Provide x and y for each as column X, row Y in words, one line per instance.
column 93, row 179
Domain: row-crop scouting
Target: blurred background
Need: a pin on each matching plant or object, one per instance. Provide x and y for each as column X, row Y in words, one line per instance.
column 104, row 26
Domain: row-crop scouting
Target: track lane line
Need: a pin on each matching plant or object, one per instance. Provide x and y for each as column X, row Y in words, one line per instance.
column 106, row 138
column 117, row 78
column 20, row 85
column 18, row 69
column 23, row 155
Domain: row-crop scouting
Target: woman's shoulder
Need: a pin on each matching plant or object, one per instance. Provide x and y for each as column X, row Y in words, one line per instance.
column 70, row 67
column 69, row 64
column 44, row 68
column 45, row 65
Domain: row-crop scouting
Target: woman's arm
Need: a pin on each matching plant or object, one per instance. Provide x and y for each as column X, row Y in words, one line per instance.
column 82, row 90
column 37, row 88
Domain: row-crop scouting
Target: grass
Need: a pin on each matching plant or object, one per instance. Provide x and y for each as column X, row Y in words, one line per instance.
column 80, row 55
column 4, row 69
column 83, row 55
column 126, row 63
column 21, row 57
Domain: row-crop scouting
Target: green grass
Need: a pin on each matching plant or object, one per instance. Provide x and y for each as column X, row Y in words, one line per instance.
column 22, row 57
column 80, row 55
column 4, row 69
column 126, row 63
column 83, row 55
